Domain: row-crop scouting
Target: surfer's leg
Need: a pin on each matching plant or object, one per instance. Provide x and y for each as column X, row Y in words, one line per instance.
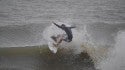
column 65, row 38
column 57, row 43
column 59, row 39
column 54, row 38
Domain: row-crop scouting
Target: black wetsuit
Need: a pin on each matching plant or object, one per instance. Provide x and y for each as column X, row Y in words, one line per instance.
column 68, row 32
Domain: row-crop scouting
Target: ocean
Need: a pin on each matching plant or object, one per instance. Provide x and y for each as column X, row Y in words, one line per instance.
column 98, row 39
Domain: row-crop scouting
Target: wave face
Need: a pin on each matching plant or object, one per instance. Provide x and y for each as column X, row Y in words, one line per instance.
column 41, row 58
column 98, row 22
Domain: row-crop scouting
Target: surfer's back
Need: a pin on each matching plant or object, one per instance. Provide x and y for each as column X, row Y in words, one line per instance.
column 67, row 30
column 69, row 33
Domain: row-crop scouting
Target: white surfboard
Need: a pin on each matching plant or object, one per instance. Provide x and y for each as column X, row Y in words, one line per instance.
column 52, row 47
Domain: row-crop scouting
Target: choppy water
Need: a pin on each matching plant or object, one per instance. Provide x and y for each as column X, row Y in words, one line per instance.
column 23, row 21
column 100, row 26
column 31, row 58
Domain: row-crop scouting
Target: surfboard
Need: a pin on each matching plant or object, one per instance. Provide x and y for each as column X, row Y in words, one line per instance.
column 53, row 47
column 55, row 42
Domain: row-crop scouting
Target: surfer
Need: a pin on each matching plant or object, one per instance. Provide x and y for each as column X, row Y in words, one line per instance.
column 64, row 37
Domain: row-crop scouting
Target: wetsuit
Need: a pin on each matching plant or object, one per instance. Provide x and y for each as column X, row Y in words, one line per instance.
column 68, row 32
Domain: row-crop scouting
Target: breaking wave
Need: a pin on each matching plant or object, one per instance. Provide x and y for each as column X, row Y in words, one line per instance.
column 99, row 40
column 82, row 42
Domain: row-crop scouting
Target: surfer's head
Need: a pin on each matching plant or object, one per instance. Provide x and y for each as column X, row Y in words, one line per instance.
column 63, row 25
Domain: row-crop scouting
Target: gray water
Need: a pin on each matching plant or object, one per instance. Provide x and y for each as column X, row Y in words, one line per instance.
column 31, row 58
column 22, row 23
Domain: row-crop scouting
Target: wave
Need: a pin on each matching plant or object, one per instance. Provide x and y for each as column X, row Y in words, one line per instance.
column 97, row 39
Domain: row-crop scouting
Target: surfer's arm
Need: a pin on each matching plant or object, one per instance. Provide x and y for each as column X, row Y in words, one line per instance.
column 73, row 27
column 57, row 25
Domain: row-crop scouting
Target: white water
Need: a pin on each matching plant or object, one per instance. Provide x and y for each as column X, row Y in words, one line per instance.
column 116, row 60
column 98, row 50
column 78, row 36
column 106, row 55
